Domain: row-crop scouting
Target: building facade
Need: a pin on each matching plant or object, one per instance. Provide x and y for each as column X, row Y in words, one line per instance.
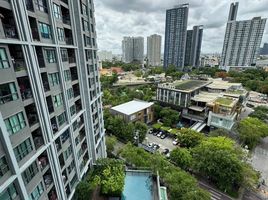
column 154, row 50
column 133, row 49
column 175, row 36
column 264, row 49
column 242, row 40
column 51, row 123
column 193, row 46
column 136, row 110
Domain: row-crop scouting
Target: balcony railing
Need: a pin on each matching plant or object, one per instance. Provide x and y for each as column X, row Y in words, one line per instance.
column 19, row 65
column 10, row 31
column 8, row 98
column 35, row 33
column 69, row 40
column 71, row 59
column 66, row 20
column 43, row 162
column 74, row 77
column 46, row 86
column 32, row 118
column 26, row 94
column 29, row 5
column 38, row 142
column 48, row 180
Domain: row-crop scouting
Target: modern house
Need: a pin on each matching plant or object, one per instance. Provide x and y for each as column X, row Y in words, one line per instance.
column 213, row 102
column 135, row 110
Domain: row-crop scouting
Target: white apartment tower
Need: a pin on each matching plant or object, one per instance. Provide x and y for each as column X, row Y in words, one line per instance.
column 242, row 40
column 51, row 122
column 154, row 50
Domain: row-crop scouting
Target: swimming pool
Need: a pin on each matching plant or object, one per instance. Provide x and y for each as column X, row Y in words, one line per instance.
column 138, row 185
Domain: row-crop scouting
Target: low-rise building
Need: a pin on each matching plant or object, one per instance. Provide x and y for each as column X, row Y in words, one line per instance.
column 136, row 110
column 215, row 102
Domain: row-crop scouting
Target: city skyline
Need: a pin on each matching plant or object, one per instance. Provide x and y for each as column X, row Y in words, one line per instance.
column 144, row 18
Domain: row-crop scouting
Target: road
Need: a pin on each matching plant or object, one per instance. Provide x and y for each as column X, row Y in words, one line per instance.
column 215, row 194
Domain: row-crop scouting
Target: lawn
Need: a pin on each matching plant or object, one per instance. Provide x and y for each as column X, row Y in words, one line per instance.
column 224, row 101
column 189, row 85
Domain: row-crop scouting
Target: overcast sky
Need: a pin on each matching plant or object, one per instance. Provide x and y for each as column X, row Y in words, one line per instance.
column 118, row 18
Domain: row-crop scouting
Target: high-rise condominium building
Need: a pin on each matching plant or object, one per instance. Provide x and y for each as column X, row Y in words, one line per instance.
column 193, row 46
column 105, row 55
column 264, row 49
column 175, row 36
column 154, row 50
column 51, row 124
column 133, row 49
column 242, row 40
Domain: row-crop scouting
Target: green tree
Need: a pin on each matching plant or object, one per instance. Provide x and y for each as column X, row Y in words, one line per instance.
column 142, row 130
column 170, row 117
column 157, row 110
column 251, row 130
column 110, row 143
column 219, row 132
column 189, row 138
column 182, row 158
column 261, row 112
column 223, row 161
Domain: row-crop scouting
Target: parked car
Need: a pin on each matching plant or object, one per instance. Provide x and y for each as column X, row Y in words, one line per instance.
column 175, row 142
column 165, row 152
column 163, row 136
column 150, row 145
column 160, row 133
column 150, row 131
column 156, row 146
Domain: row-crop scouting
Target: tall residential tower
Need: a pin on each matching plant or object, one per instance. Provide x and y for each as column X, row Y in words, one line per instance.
column 133, row 49
column 154, row 50
column 51, row 123
column 175, row 36
column 193, row 46
column 242, row 40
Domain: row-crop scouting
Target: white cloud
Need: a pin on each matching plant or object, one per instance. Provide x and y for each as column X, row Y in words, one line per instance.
column 118, row 18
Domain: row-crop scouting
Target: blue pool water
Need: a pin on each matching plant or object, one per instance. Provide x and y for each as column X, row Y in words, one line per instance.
column 138, row 186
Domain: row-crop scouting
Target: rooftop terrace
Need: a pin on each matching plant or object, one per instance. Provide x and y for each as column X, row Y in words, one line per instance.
column 189, row 84
column 224, row 101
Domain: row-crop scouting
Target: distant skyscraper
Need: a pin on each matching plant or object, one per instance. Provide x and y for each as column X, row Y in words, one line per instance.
column 154, row 50
column 193, row 46
column 105, row 55
column 242, row 40
column 175, row 36
column 133, row 49
column 264, row 49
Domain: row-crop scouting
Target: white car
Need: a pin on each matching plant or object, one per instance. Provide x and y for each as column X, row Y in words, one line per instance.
column 175, row 142
column 159, row 134
column 150, row 145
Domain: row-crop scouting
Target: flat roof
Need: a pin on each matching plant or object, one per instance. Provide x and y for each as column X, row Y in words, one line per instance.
column 189, row 84
column 206, row 97
column 132, row 107
column 221, row 85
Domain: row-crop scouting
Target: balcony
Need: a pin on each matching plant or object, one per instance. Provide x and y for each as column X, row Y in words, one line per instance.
column 65, row 15
column 74, row 75
column 19, row 65
column 25, row 88
column 76, row 90
column 54, row 125
column 8, row 93
column 71, row 55
column 32, row 115
column 58, row 144
column 17, row 57
column 61, row 159
column 40, row 56
column 45, row 82
column 50, row 105
column 66, row 20
column 29, row 5
column 48, row 180
column 38, row 138
column 68, row 36
column 78, row 106
column 69, row 40
column 65, row 136
column 52, row 195
column 8, row 23
column 64, row 177
column 43, row 161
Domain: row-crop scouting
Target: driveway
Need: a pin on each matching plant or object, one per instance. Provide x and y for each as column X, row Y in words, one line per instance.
column 164, row 143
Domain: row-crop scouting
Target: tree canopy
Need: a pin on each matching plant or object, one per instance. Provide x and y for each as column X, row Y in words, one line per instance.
column 182, row 158
column 251, row 130
column 260, row 112
column 189, row 138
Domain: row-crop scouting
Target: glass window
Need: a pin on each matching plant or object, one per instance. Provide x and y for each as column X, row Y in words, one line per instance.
column 70, row 93
column 58, row 100
column 64, row 55
column 23, row 149
column 45, row 30
column 30, row 172
column 54, row 79
column 41, row 5
column 3, row 59
column 8, row 92
column 15, row 123
column 61, row 119
column 10, row 193
column 67, row 75
column 67, row 153
column 37, row 192
column 72, row 110
column 56, row 11
column 84, row 9
column 3, row 166
column 60, row 34
column 51, row 55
